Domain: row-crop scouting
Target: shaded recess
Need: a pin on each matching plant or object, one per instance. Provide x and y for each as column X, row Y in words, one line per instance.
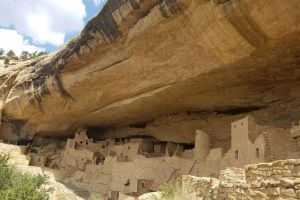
column 239, row 110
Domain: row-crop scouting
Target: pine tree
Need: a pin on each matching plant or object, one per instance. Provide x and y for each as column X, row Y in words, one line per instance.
column 6, row 62
column 11, row 54
column 24, row 55
column 1, row 51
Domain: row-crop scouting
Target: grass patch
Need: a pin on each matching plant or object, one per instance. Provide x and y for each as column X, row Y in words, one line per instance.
column 95, row 197
column 172, row 192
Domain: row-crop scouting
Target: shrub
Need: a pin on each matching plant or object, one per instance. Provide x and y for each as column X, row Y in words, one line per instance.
column 11, row 54
column 5, row 172
column 18, row 186
column 1, row 51
column 171, row 192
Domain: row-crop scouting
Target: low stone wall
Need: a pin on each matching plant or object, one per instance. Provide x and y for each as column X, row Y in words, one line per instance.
column 273, row 180
column 233, row 184
column 277, row 180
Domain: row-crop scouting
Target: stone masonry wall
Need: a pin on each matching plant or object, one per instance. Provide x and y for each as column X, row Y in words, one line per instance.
column 276, row 180
column 273, row 180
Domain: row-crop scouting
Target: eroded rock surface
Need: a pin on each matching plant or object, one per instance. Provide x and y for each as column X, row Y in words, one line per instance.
column 139, row 62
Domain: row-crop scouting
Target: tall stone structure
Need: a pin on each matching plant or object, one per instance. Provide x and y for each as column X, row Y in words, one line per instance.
column 202, row 146
column 243, row 136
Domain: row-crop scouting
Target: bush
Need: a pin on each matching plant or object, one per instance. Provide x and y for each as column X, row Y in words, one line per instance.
column 172, row 192
column 5, row 172
column 17, row 186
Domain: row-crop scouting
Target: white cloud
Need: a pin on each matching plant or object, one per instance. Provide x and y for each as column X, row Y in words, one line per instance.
column 12, row 40
column 44, row 21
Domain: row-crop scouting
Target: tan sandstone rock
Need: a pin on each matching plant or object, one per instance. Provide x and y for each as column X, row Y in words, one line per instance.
column 150, row 196
column 135, row 63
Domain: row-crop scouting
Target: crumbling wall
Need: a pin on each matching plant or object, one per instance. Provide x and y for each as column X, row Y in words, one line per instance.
column 126, row 152
column 141, row 164
column 280, row 144
column 277, row 180
column 273, row 180
column 233, row 184
column 95, row 178
column 200, row 186
column 77, row 158
column 247, row 146
column 129, row 176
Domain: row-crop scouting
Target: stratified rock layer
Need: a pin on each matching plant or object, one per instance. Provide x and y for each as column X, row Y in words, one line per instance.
column 139, row 60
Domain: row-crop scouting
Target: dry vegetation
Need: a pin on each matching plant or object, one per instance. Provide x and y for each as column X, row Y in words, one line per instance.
column 172, row 192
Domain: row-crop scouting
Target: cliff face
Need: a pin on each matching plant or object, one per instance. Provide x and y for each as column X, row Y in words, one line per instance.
column 139, row 60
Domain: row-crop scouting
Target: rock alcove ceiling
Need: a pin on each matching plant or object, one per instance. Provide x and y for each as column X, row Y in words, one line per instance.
column 138, row 62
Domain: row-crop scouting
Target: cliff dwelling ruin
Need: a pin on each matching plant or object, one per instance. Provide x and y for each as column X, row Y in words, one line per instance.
column 156, row 91
column 139, row 164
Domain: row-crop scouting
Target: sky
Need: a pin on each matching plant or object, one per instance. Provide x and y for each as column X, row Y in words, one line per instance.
column 43, row 25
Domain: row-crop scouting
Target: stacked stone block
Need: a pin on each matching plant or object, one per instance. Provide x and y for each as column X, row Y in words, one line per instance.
column 201, row 187
column 233, row 184
column 279, row 179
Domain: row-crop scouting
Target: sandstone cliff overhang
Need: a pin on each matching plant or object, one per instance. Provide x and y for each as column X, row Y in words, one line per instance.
column 140, row 59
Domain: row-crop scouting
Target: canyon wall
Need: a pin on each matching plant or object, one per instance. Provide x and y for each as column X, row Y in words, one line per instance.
column 139, row 63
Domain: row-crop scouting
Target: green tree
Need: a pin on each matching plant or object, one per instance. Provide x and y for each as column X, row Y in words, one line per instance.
column 1, row 51
column 11, row 54
column 37, row 54
column 41, row 53
column 24, row 55
column 33, row 55
column 6, row 62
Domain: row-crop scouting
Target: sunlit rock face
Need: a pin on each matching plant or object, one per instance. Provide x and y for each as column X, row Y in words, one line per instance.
column 138, row 64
